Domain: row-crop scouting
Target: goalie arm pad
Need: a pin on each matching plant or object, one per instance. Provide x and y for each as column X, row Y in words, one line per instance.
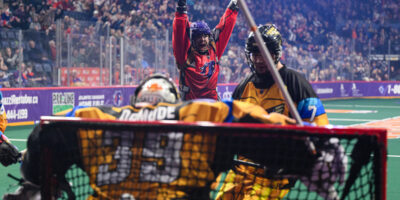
column 244, row 112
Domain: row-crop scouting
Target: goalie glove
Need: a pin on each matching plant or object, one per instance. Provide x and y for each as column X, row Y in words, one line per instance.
column 233, row 5
column 181, row 8
column 330, row 167
column 9, row 154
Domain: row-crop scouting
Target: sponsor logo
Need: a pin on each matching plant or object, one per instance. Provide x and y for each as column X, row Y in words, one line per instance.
column 381, row 89
column 91, row 100
column 355, row 92
column 324, row 91
column 62, row 101
column 343, row 92
column 17, row 100
column 225, row 95
column 118, row 98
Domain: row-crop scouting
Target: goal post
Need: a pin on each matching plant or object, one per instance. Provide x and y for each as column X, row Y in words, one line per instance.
column 108, row 159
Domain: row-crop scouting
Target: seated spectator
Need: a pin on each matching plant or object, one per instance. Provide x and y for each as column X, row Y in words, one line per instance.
column 52, row 50
column 5, row 18
column 34, row 53
column 21, row 18
column 35, row 24
column 75, row 80
column 11, row 59
column 128, row 75
column 4, row 80
column 141, row 62
column 30, row 79
column 3, row 66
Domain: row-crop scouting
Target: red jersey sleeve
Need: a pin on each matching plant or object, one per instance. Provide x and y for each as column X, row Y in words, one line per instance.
column 180, row 37
column 225, row 27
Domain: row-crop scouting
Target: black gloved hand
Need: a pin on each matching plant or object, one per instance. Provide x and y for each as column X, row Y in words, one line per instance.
column 181, row 2
column 233, row 5
column 181, row 8
column 9, row 154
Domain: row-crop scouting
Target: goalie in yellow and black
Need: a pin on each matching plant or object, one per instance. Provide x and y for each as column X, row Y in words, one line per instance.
column 127, row 166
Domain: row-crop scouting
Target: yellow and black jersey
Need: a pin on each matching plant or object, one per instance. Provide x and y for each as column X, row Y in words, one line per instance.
column 3, row 123
column 152, row 174
column 3, row 119
column 266, row 93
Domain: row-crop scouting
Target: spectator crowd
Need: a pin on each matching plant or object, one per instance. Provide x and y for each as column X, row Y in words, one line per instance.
column 325, row 40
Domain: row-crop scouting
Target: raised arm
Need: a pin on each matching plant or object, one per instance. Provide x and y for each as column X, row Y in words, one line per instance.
column 180, row 36
column 223, row 30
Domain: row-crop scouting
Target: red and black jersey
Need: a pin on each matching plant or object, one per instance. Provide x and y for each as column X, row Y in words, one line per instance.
column 198, row 72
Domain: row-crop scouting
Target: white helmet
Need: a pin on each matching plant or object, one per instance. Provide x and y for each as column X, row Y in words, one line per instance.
column 154, row 89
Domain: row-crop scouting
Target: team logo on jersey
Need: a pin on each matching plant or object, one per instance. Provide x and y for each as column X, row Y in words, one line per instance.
column 278, row 109
column 208, row 69
column 118, row 98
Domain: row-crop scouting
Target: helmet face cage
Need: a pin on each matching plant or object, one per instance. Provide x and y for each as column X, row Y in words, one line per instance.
column 199, row 28
column 272, row 39
column 156, row 88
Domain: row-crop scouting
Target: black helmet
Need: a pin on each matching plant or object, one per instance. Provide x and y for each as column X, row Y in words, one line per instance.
column 272, row 39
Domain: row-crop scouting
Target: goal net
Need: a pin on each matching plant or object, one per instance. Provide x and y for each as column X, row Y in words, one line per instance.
column 98, row 159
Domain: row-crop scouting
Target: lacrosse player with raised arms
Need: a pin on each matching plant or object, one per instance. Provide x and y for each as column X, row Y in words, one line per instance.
column 198, row 49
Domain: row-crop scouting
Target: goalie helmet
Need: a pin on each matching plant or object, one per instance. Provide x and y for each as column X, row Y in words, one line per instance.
column 154, row 89
column 272, row 39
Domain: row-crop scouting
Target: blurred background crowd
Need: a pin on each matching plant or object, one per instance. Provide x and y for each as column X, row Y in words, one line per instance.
column 75, row 42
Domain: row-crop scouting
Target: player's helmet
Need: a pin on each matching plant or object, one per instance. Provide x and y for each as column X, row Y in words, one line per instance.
column 199, row 28
column 272, row 39
column 154, row 89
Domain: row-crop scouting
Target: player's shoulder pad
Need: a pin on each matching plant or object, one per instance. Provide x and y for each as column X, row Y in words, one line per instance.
column 310, row 107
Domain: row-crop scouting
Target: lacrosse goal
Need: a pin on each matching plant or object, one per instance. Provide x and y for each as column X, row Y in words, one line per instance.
column 98, row 159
